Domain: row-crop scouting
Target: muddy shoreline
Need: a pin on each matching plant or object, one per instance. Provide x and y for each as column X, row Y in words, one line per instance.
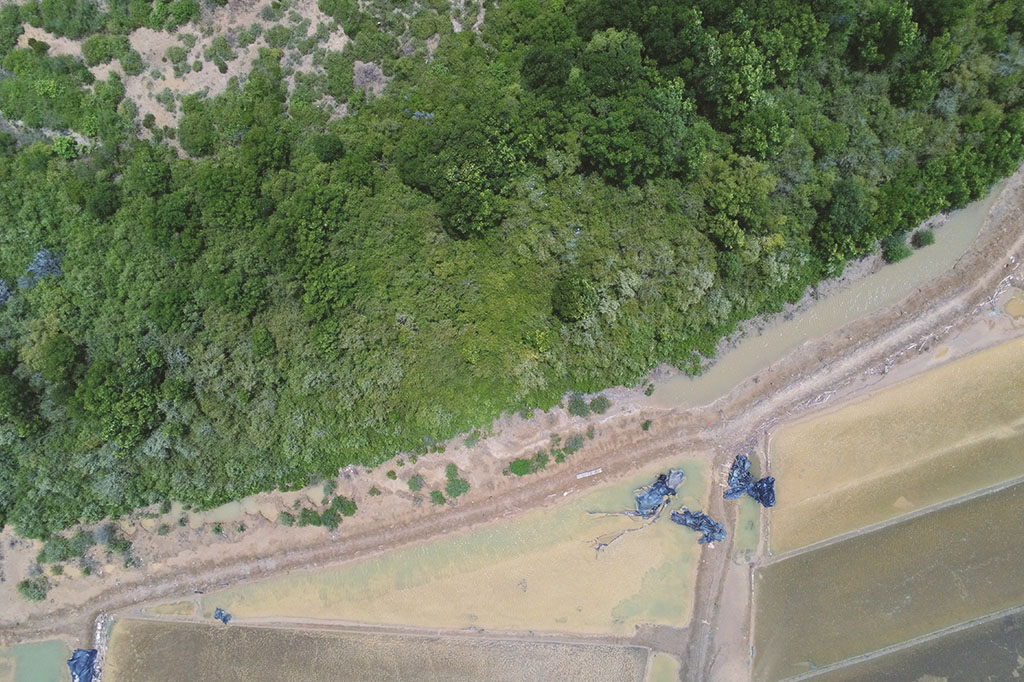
column 877, row 350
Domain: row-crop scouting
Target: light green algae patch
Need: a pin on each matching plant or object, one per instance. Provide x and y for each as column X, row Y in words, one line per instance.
column 664, row 668
column 540, row 571
column 35, row 662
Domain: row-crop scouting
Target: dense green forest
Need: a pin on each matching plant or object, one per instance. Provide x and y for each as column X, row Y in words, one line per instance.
column 576, row 193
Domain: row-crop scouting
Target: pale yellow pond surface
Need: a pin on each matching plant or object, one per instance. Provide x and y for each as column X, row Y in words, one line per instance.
column 664, row 668
column 880, row 589
column 956, row 429
column 539, row 571
column 147, row 651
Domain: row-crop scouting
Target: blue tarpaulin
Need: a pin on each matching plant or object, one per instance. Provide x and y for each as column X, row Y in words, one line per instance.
column 81, row 665
column 222, row 615
column 742, row 481
column 650, row 500
column 710, row 529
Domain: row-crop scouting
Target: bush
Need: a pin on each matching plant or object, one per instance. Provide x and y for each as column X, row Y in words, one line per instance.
column 521, row 467
column 437, row 497
column 132, row 63
column 416, row 483
column 177, row 54
column 100, row 49
column 573, row 299
column 286, row 519
column 343, row 506
column 894, row 247
column 600, row 404
column 922, row 238
column 374, row 492
column 646, row 425
column 308, row 517
column 578, row 406
column 574, row 444
column 392, row 474
column 34, row 589
column 456, row 486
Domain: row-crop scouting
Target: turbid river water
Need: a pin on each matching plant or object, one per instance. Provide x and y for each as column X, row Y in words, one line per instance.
column 861, row 298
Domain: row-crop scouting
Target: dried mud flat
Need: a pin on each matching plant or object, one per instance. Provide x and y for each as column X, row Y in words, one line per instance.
column 958, row 310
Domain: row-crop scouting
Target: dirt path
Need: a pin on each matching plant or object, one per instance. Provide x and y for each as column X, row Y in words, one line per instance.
column 851, row 360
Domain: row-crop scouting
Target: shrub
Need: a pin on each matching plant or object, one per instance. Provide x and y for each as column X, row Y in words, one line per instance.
column 437, row 497
column 343, row 506
column 577, row 405
column 922, row 238
column 132, row 63
column 164, row 529
column 34, row 589
column 649, row 391
column 308, row 517
column 392, row 475
column 286, row 519
column 177, row 54
column 218, row 529
column 416, row 483
column 646, row 425
column 600, row 404
column 100, row 49
column 456, row 486
column 573, row 299
column 574, row 444
column 278, row 36
column 521, row 467
column 373, row 492
column 894, row 247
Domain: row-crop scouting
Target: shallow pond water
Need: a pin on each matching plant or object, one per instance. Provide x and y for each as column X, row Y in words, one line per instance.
column 954, row 430
column 146, row 651
column 862, row 297
column 990, row 651
column 35, row 662
column 894, row 584
column 539, row 571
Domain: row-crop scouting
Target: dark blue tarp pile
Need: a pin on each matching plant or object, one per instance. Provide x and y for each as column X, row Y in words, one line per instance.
column 222, row 615
column 742, row 481
column 81, row 665
column 652, row 498
column 702, row 523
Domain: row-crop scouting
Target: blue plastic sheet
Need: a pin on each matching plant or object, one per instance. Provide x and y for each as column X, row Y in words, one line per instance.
column 709, row 529
column 222, row 615
column 651, row 499
column 82, row 665
column 741, row 482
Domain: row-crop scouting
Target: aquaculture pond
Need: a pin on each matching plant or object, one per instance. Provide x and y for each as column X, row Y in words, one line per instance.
column 897, row 583
column 538, row 571
column 149, row 651
column 35, row 662
column 953, row 430
column 989, row 651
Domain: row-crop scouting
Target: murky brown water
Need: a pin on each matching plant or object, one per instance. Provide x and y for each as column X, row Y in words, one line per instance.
column 146, row 651
column 894, row 584
column 951, row 431
column 539, row 571
column 865, row 296
column 992, row 651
